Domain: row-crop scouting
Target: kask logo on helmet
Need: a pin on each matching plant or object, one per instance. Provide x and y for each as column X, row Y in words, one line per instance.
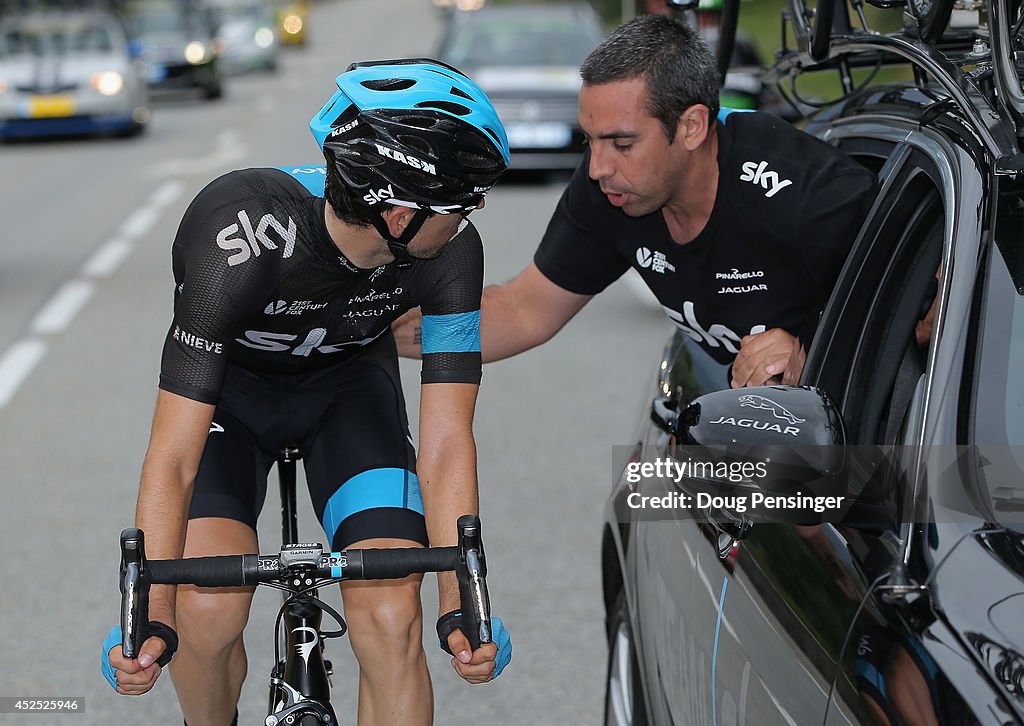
column 405, row 159
column 342, row 129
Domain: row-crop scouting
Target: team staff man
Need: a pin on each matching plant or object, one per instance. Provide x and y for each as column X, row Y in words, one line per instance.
column 281, row 337
column 738, row 222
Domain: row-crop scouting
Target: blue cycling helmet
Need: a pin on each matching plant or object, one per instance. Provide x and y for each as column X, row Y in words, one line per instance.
column 416, row 133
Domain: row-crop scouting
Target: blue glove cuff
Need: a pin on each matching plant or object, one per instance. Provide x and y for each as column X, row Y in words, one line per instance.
column 500, row 636
column 113, row 639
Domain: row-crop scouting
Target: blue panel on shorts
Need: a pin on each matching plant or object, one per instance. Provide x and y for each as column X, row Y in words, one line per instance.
column 456, row 333
column 372, row 489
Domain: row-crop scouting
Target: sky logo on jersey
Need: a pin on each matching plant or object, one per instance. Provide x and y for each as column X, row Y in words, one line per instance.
column 716, row 336
column 756, row 173
column 256, row 238
column 314, row 340
column 407, row 160
column 653, row 260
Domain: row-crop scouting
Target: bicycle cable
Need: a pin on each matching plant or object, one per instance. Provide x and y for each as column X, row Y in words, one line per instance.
column 823, row 104
column 323, row 606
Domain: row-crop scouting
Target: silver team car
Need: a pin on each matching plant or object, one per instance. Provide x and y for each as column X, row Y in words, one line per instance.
column 69, row 73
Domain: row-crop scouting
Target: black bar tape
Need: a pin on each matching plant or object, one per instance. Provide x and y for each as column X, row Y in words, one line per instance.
column 221, row 571
column 397, row 563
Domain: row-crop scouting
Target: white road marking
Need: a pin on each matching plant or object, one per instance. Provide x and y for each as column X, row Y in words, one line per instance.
column 228, row 149
column 59, row 312
column 167, row 193
column 62, row 308
column 139, row 222
column 16, row 364
column 105, row 260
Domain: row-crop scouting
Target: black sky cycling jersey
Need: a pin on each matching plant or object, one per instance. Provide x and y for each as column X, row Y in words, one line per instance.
column 259, row 282
column 787, row 210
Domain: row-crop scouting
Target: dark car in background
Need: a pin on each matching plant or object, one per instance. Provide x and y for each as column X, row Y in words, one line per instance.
column 247, row 29
column 178, row 42
column 907, row 606
column 68, row 73
column 527, row 59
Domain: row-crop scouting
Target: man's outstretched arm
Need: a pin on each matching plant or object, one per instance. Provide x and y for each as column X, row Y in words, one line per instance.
column 514, row 317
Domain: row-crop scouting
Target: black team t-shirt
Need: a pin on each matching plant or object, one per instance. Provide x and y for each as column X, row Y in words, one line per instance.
column 787, row 209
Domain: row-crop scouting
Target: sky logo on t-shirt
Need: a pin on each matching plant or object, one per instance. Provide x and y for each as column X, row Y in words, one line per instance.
column 653, row 260
column 755, row 172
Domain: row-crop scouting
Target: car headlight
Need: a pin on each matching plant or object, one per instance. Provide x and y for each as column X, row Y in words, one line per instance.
column 195, row 52
column 264, row 37
column 109, row 83
column 292, row 24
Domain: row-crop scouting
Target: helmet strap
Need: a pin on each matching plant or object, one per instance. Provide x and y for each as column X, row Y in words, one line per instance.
column 399, row 246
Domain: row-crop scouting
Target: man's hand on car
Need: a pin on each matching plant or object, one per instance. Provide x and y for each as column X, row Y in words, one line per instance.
column 773, row 356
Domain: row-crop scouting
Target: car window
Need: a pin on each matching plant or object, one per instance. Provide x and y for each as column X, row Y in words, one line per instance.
column 869, row 357
column 996, row 425
column 528, row 42
column 56, row 39
column 152, row 23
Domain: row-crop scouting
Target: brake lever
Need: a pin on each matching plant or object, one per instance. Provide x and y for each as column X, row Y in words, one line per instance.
column 134, row 583
column 471, row 570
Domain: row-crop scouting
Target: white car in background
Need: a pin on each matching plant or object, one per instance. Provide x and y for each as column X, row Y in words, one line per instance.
column 67, row 73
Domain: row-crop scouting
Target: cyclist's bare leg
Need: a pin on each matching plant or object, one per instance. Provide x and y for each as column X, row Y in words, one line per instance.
column 386, row 629
column 210, row 664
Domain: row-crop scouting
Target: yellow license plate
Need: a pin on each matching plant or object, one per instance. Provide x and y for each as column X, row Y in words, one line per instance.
column 51, row 106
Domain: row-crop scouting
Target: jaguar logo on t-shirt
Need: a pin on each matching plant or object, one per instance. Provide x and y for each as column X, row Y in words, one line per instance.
column 737, row 282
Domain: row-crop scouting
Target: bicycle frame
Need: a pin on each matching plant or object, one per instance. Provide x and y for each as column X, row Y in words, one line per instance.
column 303, row 683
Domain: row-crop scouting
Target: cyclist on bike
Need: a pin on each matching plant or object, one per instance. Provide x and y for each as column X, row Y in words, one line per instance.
column 738, row 222
column 286, row 285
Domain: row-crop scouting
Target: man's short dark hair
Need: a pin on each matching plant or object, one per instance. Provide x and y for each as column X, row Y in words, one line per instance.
column 346, row 204
column 676, row 64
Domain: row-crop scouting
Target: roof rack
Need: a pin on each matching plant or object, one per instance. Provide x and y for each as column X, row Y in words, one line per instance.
column 973, row 63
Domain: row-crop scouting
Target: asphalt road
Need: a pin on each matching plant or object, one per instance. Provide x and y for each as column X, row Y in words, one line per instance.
column 85, row 299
